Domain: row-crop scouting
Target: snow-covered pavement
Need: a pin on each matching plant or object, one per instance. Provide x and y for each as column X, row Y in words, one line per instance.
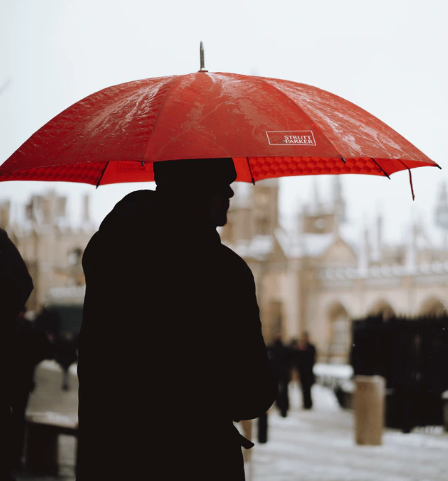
column 319, row 445
column 315, row 445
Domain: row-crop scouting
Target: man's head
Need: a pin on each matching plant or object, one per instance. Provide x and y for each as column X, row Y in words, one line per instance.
column 201, row 185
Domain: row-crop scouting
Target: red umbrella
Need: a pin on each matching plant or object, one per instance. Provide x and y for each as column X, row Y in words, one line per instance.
column 271, row 128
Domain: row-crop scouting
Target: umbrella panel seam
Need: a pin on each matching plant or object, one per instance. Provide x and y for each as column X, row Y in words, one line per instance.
column 265, row 81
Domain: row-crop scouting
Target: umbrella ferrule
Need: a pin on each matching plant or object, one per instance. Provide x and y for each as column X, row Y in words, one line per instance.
column 202, row 58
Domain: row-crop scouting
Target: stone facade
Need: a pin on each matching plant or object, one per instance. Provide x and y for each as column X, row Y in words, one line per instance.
column 315, row 278
column 51, row 247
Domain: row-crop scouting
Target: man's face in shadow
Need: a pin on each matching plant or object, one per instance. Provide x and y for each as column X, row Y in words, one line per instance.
column 219, row 204
column 207, row 203
column 200, row 188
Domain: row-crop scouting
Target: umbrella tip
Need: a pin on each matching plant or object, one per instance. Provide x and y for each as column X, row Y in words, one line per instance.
column 201, row 57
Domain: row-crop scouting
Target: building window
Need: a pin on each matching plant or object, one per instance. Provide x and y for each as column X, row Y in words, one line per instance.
column 276, row 318
column 75, row 256
column 340, row 339
column 339, row 335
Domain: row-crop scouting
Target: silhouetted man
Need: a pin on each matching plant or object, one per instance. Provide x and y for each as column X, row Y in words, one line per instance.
column 171, row 351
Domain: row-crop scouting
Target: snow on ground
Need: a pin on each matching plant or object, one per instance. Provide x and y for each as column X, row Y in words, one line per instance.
column 319, row 445
column 316, row 445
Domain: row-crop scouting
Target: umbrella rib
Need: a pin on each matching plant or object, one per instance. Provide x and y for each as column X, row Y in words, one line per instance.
column 379, row 166
column 301, row 108
column 173, row 83
column 102, row 174
column 250, row 170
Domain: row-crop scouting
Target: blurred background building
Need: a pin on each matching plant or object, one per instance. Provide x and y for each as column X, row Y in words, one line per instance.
column 316, row 277
column 51, row 247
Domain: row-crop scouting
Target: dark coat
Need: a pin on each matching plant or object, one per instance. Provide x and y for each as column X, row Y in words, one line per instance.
column 16, row 286
column 15, row 282
column 280, row 359
column 304, row 361
column 170, row 350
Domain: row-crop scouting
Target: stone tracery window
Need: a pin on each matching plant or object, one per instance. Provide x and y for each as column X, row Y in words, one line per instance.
column 339, row 334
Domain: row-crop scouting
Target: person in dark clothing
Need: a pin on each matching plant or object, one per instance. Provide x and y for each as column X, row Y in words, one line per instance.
column 48, row 322
column 16, row 286
column 280, row 359
column 66, row 354
column 304, row 359
column 409, row 385
column 28, row 348
column 155, row 268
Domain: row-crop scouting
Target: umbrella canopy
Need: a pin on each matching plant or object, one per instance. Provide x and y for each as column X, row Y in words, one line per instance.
column 270, row 127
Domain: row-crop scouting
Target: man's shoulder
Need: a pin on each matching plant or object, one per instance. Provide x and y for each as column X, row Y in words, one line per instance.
column 129, row 203
column 236, row 261
column 131, row 210
column 138, row 196
column 119, row 224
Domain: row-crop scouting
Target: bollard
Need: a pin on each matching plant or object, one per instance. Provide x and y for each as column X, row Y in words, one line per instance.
column 369, row 409
column 263, row 429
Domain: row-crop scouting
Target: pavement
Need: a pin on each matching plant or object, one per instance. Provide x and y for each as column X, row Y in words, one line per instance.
column 316, row 445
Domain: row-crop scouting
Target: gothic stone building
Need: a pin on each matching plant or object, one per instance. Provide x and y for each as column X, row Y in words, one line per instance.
column 314, row 278
column 51, row 248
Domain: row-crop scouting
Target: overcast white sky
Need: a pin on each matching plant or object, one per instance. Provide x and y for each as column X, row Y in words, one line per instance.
column 387, row 56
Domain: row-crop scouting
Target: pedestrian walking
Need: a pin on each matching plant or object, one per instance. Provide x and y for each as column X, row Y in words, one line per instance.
column 156, row 270
column 280, row 359
column 304, row 359
column 66, row 354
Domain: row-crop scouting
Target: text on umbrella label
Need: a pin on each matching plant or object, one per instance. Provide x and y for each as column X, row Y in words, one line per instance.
column 295, row 137
column 130, row 167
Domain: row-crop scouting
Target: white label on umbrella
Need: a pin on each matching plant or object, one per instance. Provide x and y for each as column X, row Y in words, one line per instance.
column 294, row 137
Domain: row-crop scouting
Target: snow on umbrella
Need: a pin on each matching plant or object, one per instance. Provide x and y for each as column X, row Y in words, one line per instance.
column 270, row 127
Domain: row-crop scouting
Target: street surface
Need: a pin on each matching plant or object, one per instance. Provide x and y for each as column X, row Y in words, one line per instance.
column 312, row 445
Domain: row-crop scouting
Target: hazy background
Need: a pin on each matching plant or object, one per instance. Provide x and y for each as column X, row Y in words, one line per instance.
column 389, row 57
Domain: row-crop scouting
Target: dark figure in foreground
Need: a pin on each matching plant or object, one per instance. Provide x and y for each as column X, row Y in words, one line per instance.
column 304, row 360
column 156, row 271
column 15, row 288
column 280, row 359
column 28, row 348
